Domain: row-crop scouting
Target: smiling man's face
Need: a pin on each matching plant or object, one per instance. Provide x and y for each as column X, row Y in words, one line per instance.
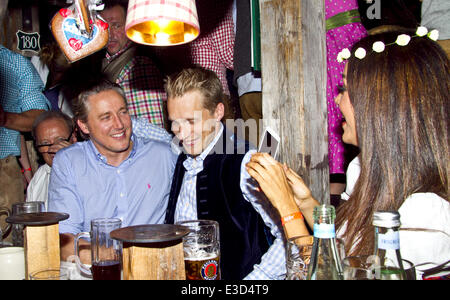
column 193, row 124
column 108, row 125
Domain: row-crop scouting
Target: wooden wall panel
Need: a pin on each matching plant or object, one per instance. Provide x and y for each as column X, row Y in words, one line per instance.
column 293, row 53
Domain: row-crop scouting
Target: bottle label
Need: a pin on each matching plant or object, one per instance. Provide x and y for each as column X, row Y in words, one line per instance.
column 324, row 231
column 389, row 241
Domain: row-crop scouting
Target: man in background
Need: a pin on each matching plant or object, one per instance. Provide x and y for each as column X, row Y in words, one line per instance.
column 52, row 131
column 136, row 73
column 21, row 101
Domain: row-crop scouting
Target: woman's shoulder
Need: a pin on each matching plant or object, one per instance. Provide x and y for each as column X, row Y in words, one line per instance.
column 425, row 210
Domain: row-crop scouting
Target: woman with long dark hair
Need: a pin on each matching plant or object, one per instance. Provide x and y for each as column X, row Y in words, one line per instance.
column 395, row 101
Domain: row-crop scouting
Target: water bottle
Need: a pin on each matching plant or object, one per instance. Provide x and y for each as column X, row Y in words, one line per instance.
column 325, row 260
column 387, row 245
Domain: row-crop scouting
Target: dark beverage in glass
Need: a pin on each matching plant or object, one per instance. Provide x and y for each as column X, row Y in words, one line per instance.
column 202, row 268
column 106, row 270
column 106, row 253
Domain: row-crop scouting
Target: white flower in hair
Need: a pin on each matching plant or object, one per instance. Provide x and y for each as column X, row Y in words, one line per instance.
column 433, row 35
column 378, row 47
column 421, row 31
column 344, row 54
column 360, row 53
column 403, row 40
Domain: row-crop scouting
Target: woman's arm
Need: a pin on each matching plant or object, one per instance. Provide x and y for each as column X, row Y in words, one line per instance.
column 274, row 183
column 302, row 195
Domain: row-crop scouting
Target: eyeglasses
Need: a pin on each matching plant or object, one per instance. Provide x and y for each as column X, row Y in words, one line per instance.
column 44, row 147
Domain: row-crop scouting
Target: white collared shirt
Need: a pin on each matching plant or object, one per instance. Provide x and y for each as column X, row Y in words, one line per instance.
column 37, row 190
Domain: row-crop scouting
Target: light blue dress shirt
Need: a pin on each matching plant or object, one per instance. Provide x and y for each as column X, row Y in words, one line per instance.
column 83, row 185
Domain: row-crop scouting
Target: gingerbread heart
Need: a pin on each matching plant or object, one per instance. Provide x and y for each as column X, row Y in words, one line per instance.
column 75, row 44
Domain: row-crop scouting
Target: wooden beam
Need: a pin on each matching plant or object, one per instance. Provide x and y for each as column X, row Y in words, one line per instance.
column 293, row 62
column 3, row 8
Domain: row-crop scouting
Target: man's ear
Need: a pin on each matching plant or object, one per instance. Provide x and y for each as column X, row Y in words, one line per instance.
column 219, row 112
column 83, row 126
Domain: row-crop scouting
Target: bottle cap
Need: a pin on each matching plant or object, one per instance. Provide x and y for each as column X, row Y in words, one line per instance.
column 386, row 219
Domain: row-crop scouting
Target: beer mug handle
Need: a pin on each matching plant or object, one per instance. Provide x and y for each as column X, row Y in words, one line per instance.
column 82, row 266
column 4, row 211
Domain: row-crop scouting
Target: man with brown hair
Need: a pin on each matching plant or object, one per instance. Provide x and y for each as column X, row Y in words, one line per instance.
column 114, row 174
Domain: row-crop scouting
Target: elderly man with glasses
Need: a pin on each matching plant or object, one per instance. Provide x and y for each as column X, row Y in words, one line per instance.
column 52, row 131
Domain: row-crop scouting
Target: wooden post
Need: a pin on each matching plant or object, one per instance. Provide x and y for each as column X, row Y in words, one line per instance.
column 156, row 261
column 293, row 62
column 17, row 17
column 41, row 239
column 41, row 248
column 3, row 8
column 152, row 252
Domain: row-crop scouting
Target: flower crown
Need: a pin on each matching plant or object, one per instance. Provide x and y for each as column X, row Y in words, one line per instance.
column 402, row 40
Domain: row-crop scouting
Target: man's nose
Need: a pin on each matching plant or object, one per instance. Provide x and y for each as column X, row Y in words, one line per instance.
column 118, row 122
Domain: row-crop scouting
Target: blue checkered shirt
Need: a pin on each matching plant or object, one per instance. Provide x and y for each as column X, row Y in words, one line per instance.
column 148, row 132
column 20, row 90
column 273, row 262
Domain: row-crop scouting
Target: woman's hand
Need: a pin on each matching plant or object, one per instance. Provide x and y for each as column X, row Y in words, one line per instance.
column 302, row 195
column 272, row 180
column 298, row 186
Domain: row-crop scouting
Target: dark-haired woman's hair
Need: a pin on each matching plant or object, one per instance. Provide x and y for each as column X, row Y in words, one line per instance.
column 401, row 104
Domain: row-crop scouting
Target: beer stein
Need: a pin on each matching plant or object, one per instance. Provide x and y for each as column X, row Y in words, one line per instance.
column 201, row 248
column 106, row 253
column 24, row 208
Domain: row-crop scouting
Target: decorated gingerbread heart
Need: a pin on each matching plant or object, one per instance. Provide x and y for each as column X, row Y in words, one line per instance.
column 75, row 43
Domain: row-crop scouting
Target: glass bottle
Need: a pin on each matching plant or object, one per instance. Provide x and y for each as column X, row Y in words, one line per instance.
column 387, row 245
column 325, row 261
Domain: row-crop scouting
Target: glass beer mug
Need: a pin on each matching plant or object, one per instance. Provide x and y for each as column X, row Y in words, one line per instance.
column 106, row 253
column 24, row 208
column 202, row 250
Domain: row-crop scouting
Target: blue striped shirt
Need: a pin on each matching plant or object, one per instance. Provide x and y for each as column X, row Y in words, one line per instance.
column 148, row 131
column 20, row 90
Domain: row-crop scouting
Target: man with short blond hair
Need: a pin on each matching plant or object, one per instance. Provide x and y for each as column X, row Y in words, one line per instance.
column 211, row 181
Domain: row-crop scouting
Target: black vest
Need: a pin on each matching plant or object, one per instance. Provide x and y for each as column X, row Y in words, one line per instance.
column 244, row 238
